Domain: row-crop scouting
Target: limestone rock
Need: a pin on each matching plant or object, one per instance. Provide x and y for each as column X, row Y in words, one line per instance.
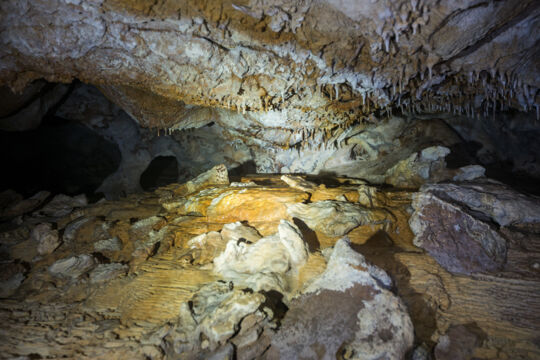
column 72, row 267
column 219, row 309
column 499, row 202
column 11, row 277
column 46, row 238
column 105, row 272
column 70, row 231
column 292, row 240
column 469, row 172
column 210, row 245
column 299, row 183
column 213, row 316
column 262, row 265
column 337, row 218
column 455, row 236
column 62, row 205
column 458, row 343
column 236, row 231
column 16, row 206
column 215, row 176
column 367, row 196
column 418, row 168
column 111, row 244
column 256, row 205
column 243, row 184
column 373, row 322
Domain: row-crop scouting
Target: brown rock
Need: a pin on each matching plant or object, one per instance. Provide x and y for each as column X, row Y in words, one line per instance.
column 455, row 237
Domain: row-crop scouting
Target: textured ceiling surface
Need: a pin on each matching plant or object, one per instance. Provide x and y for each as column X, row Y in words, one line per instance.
column 313, row 63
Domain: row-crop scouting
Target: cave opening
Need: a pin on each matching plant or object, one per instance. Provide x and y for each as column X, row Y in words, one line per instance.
column 60, row 156
column 162, row 170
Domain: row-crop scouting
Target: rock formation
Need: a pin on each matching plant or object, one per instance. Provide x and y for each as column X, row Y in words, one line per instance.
column 269, row 179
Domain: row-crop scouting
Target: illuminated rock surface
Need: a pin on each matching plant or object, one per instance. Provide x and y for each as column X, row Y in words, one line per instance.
column 165, row 283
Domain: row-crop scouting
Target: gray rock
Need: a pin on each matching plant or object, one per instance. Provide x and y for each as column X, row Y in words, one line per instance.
column 419, row 168
column 434, row 153
column 371, row 322
column 62, row 205
column 112, row 244
column 70, row 232
column 458, row 343
column 469, row 172
column 46, row 238
column 10, row 285
column 337, row 218
column 105, row 272
column 497, row 201
column 459, row 239
column 72, row 267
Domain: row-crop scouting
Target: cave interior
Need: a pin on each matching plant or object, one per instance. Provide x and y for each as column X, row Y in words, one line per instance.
column 270, row 179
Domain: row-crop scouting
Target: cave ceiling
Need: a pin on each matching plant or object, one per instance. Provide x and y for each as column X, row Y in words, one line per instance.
column 295, row 64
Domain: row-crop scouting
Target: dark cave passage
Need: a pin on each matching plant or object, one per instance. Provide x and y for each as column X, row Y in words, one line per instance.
column 162, row 170
column 60, row 156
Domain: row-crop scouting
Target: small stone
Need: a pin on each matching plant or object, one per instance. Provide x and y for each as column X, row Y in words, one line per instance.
column 73, row 227
column 72, row 267
column 112, row 244
column 62, row 205
column 46, row 237
column 434, row 153
column 470, row 172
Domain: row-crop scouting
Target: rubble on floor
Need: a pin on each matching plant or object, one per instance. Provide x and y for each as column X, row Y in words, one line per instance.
column 283, row 268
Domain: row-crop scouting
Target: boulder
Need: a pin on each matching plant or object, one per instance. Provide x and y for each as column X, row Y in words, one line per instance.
column 262, row 265
column 12, row 204
column 461, row 239
column 419, row 168
column 502, row 204
column 337, row 218
column 352, row 296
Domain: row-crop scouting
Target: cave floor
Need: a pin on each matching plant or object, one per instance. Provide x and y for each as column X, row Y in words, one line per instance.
column 149, row 269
